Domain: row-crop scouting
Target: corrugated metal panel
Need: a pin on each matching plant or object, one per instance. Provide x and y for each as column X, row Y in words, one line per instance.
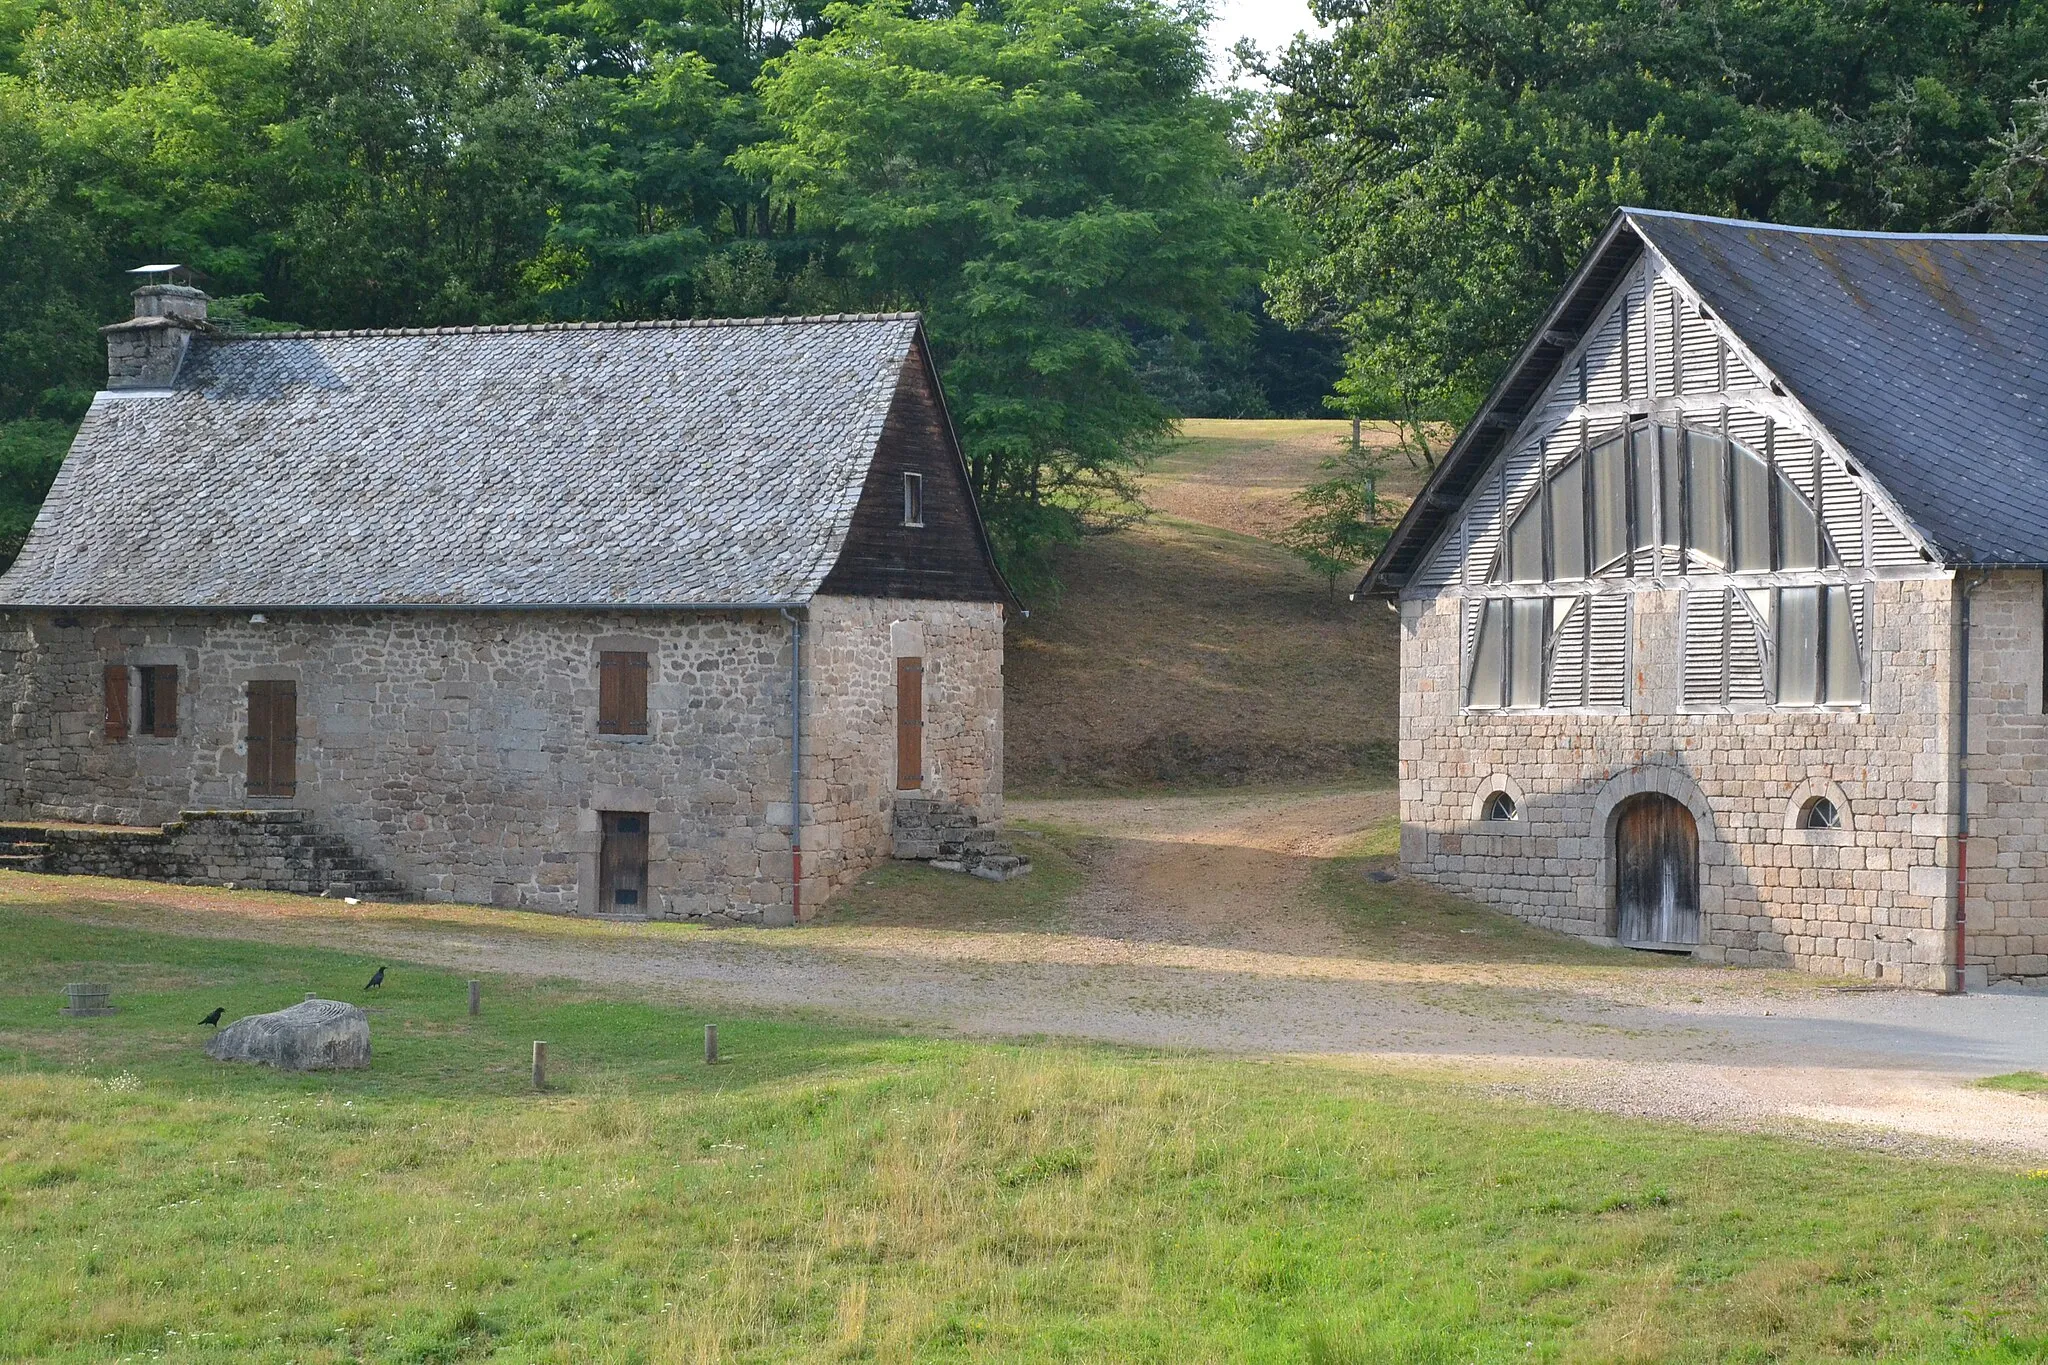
column 1608, row 672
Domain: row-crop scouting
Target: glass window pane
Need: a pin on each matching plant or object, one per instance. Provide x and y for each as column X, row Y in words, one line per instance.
column 1525, row 545
column 1709, row 460
column 1610, row 508
column 1488, row 656
column 1798, row 646
column 1845, row 660
column 1526, row 661
column 1798, row 532
column 1568, row 521
column 1752, row 513
column 1643, row 448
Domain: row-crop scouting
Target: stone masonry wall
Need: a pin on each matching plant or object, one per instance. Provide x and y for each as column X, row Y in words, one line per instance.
column 850, row 787
column 2007, row 923
column 459, row 750
column 1872, row 900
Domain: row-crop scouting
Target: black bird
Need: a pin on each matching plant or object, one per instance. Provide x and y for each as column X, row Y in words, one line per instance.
column 375, row 981
column 214, row 1018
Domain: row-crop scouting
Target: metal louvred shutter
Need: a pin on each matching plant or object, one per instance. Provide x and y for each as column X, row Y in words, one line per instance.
column 1747, row 654
column 1566, row 685
column 1607, row 671
column 1705, row 666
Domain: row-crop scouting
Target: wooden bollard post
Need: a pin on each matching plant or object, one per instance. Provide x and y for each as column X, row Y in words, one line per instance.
column 475, row 997
column 540, row 1066
column 711, row 1045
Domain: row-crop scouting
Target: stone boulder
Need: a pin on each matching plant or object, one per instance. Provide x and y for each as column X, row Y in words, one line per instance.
column 319, row 1035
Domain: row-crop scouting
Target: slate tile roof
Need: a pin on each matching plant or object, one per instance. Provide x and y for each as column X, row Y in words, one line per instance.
column 649, row 464
column 1926, row 356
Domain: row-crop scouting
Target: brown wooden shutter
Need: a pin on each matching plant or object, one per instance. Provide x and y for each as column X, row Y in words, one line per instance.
column 909, row 724
column 621, row 693
column 164, row 684
column 116, row 685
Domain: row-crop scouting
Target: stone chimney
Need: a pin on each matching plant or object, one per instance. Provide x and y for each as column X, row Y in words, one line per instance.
column 145, row 351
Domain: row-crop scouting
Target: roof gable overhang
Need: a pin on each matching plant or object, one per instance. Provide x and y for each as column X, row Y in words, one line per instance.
column 1514, row 396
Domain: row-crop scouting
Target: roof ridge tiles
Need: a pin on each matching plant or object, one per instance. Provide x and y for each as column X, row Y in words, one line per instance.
column 1631, row 211
column 621, row 325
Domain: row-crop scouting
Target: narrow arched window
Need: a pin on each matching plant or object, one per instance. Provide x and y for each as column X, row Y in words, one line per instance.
column 1499, row 806
column 1820, row 813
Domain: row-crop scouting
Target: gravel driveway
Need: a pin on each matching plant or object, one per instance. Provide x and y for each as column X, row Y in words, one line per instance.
column 1200, row 926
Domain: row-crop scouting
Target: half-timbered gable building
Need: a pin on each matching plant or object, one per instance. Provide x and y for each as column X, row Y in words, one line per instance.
column 1723, row 620
column 643, row 618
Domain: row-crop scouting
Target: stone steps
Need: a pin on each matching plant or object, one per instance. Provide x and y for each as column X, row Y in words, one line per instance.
column 953, row 840
column 275, row 850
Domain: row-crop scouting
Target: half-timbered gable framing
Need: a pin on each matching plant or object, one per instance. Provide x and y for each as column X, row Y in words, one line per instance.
column 1703, row 527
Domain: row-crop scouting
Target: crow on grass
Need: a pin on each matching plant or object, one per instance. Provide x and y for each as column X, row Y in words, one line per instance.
column 214, row 1018
column 375, row 981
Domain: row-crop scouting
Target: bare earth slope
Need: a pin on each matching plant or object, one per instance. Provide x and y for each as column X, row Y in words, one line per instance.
column 1189, row 651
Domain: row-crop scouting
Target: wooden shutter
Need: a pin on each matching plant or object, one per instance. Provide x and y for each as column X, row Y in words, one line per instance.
column 116, row 686
column 1607, row 664
column 163, row 680
column 621, row 693
column 909, row 724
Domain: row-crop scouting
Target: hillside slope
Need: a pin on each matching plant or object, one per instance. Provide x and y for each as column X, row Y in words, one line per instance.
column 1190, row 651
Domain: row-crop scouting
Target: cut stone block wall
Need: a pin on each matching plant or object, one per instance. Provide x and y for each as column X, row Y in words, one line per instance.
column 1873, row 900
column 459, row 749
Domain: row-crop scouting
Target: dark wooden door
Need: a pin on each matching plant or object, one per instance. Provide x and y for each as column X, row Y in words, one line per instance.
column 273, row 738
column 909, row 724
column 1657, row 874
column 622, row 864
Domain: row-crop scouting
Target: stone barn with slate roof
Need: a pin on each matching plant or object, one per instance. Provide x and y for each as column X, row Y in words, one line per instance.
column 1723, row 623
column 661, row 619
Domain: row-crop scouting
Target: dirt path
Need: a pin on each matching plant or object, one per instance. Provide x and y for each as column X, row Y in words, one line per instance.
column 1201, row 926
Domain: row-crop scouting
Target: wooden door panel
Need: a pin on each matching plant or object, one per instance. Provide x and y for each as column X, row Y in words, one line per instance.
column 273, row 737
column 622, row 863
column 1656, row 874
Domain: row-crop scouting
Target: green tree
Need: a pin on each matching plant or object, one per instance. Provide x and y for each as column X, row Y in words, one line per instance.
column 1345, row 523
column 1050, row 183
column 1454, row 158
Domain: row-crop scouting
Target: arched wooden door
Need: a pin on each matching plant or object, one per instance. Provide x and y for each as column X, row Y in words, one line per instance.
column 1656, row 874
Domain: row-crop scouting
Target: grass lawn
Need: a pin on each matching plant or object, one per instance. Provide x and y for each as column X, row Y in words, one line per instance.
column 837, row 1193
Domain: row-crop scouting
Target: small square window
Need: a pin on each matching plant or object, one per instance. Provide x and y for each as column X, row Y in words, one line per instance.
column 157, row 701
column 913, row 499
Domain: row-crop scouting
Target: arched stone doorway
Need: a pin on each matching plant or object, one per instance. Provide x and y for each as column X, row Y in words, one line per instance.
column 1656, row 874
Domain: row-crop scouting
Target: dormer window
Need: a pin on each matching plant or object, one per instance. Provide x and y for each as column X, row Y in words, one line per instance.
column 913, row 499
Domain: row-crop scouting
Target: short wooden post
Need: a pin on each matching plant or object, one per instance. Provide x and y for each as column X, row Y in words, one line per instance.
column 540, row 1066
column 475, row 998
column 711, row 1045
